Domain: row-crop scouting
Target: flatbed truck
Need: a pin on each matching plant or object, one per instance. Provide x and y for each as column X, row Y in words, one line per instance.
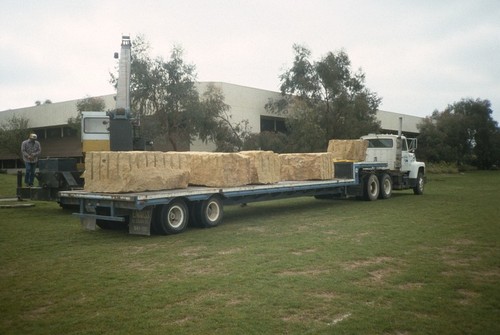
column 389, row 164
column 170, row 211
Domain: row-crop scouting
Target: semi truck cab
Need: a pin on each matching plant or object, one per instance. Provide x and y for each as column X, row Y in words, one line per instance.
column 398, row 152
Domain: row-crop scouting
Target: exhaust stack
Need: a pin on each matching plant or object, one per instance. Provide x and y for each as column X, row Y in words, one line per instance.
column 399, row 146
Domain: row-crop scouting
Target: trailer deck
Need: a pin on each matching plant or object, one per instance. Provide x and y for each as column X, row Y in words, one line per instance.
column 139, row 200
column 139, row 209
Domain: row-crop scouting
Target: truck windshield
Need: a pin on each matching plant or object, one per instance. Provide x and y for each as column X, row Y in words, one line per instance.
column 380, row 143
column 96, row 125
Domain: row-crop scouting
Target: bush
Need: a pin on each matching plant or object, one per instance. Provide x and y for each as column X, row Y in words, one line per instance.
column 442, row 168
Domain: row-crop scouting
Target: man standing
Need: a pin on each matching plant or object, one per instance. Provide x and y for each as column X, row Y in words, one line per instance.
column 30, row 149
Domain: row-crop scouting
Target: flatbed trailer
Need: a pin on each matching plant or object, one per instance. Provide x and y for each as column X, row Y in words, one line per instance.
column 170, row 211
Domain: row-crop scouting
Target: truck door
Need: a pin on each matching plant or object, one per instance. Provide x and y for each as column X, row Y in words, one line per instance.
column 406, row 156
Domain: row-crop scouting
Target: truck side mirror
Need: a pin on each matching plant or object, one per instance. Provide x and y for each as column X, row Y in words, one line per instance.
column 412, row 146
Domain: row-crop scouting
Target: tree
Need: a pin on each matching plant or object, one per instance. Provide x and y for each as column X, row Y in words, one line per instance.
column 323, row 100
column 164, row 94
column 216, row 125
column 90, row 104
column 464, row 133
column 46, row 102
column 12, row 133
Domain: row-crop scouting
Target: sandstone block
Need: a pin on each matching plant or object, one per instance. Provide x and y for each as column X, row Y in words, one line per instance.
column 265, row 166
column 307, row 166
column 216, row 169
column 131, row 171
column 352, row 150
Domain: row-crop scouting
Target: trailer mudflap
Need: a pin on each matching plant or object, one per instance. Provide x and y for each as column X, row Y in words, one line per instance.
column 88, row 223
column 140, row 222
column 88, row 220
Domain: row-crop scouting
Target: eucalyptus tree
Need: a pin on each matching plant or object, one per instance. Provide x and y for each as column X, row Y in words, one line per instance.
column 464, row 133
column 165, row 97
column 12, row 133
column 324, row 99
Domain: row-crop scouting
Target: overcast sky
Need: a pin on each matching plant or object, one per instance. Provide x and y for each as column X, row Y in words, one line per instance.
column 418, row 55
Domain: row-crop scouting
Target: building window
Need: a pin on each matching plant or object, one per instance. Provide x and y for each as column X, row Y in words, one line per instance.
column 54, row 133
column 274, row 124
column 69, row 132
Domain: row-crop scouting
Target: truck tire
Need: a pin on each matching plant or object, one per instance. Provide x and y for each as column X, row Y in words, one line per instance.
column 385, row 186
column 193, row 217
column 209, row 213
column 371, row 188
column 173, row 218
column 418, row 189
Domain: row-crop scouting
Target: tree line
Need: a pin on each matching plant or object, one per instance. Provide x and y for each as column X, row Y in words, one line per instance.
column 320, row 100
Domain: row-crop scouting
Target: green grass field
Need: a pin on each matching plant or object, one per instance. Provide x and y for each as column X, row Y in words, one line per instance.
column 408, row 265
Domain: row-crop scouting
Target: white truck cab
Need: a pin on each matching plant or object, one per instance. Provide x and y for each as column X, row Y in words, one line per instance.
column 398, row 152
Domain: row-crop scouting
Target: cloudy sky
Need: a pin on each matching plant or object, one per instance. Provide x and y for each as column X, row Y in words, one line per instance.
column 418, row 55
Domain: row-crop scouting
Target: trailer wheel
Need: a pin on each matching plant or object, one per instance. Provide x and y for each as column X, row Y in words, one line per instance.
column 419, row 186
column 371, row 188
column 156, row 220
column 385, row 187
column 173, row 218
column 209, row 213
column 193, row 217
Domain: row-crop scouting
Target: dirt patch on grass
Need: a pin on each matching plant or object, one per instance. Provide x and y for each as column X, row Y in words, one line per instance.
column 378, row 276
column 308, row 316
column 411, row 286
column 141, row 266
column 468, row 296
column 308, row 273
column 229, row 251
column 490, row 276
column 461, row 242
column 302, row 252
column 39, row 312
column 452, row 257
column 192, row 251
column 368, row 262
column 327, row 296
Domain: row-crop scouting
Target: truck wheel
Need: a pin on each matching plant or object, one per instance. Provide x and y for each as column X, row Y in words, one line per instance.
column 156, row 220
column 371, row 188
column 173, row 218
column 193, row 217
column 385, row 187
column 209, row 213
column 419, row 186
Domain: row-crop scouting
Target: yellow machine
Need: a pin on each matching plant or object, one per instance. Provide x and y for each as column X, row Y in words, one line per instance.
column 95, row 132
column 114, row 130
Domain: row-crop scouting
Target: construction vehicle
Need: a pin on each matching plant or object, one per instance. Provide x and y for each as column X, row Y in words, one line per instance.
column 390, row 165
column 113, row 130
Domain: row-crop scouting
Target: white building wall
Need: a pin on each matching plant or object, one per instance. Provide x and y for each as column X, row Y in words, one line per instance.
column 246, row 104
column 50, row 115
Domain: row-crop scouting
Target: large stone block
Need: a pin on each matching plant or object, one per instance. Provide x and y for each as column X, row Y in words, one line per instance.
column 265, row 166
column 131, row 171
column 351, row 150
column 307, row 166
column 216, row 169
